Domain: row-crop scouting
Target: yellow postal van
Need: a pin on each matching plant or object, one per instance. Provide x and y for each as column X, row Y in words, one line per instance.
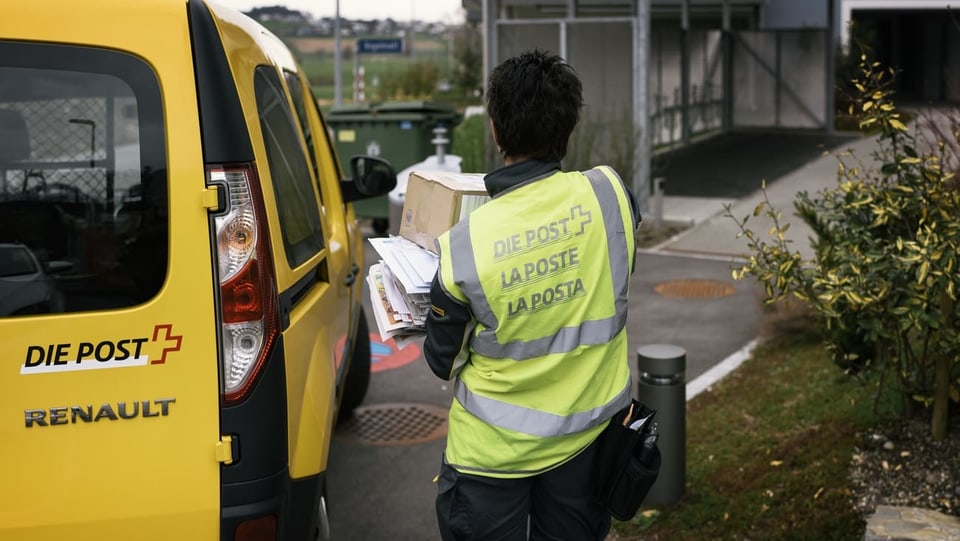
column 180, row 315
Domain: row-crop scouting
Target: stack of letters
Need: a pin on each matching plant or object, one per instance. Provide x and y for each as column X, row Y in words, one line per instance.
column 400, row 287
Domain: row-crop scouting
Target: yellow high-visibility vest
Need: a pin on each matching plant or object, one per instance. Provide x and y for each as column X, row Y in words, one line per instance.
column 545, row 267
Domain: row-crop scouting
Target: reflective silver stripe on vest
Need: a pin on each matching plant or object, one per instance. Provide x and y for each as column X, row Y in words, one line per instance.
column 535, row 422
column 567, row 339
column 616, row 239
column 465, row 275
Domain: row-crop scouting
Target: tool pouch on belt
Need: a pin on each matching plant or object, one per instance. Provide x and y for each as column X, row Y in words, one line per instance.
column 628, row 460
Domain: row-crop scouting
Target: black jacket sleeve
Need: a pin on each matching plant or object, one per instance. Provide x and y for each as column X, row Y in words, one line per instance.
column 449, row 326
column 634, row 207
column 637, row 222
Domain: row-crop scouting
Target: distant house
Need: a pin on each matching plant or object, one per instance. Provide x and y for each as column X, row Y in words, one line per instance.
column 277, row 13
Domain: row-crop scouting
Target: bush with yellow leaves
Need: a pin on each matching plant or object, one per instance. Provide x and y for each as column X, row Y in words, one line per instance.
column 883, row 279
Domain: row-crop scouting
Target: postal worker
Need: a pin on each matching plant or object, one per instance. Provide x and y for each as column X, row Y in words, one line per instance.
column 528, row 314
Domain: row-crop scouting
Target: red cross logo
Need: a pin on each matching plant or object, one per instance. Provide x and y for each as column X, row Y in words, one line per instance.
column 168, row 337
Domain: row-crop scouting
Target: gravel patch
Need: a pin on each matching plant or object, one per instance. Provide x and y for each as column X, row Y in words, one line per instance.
column 899, row 464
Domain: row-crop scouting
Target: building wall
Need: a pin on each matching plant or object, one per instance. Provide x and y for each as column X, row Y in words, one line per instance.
column 795, row 15
column 774, row 85
column 779, row 79
column 706, row 82
column 918, row 38
column 849, row 6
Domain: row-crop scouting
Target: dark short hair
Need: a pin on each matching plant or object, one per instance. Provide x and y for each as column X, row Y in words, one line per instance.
column 534, row 101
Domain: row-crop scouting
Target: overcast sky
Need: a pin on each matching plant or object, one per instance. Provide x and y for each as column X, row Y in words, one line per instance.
column 401, row 10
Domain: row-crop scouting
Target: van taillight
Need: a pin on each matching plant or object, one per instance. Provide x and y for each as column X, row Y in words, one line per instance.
column 248, row 313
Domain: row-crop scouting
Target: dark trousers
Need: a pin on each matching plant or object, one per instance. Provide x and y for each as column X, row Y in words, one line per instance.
column 558, row 504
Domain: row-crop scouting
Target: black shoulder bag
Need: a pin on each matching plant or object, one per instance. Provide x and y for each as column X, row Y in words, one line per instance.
column 628, row 460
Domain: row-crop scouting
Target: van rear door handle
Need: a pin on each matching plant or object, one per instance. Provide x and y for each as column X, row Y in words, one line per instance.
column 352, row 275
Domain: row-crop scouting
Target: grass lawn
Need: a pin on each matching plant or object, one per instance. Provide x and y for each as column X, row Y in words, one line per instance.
column 469, row 141
column 768, row 448
column 316, row 57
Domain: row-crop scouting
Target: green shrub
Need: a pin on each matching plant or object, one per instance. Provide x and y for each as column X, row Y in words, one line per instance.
column 605, row 138
column 417, row 81
column 609, row 139
column 883, row 278
column 469, row 143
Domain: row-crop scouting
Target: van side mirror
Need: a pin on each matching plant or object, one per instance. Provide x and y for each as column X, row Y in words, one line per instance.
column 59, row 267
column 371, row 177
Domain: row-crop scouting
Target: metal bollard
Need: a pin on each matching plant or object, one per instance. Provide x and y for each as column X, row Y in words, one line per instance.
column 440, row 141
column 661, row 387
column 658, row 202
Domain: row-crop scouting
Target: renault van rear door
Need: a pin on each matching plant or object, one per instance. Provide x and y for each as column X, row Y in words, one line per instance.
column 109, row 414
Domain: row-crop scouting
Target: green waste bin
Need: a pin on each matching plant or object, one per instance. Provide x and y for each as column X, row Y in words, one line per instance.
column 399, row 132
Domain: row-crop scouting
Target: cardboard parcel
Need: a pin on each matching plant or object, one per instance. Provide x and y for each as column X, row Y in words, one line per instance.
column 435, row 200
column 400, row 282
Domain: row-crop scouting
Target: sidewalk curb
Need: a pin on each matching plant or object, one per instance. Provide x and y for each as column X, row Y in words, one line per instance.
column 721, row 369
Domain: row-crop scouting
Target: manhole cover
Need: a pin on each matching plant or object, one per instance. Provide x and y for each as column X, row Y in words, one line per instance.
column 694, row 289
column 395, row 424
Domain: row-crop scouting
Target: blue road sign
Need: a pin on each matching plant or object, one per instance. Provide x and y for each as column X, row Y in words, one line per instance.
column 380, row 45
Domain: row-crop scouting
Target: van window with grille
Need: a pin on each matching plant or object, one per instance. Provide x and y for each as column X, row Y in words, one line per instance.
column 83, row 180
column 289, row 171
column 294, row 83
